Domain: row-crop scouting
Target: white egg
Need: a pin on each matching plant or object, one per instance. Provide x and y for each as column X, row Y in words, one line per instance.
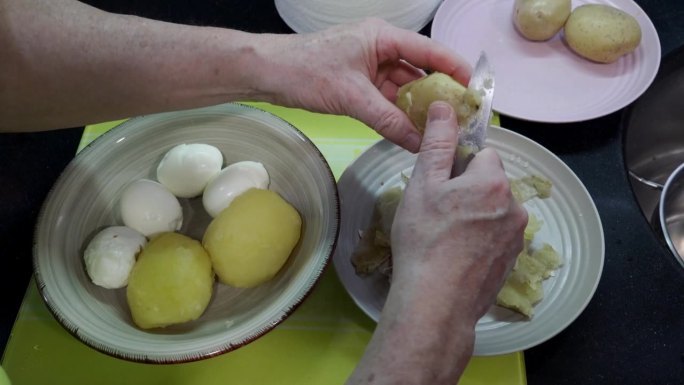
column 150, row 208
column 187, row 168
column 110, row 256
column 231, row 182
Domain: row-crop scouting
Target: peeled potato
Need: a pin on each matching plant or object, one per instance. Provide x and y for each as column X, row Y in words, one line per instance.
column 602, row 33
column 540, row 20
column 250, row 241
column 171, row 282
column 415, row 97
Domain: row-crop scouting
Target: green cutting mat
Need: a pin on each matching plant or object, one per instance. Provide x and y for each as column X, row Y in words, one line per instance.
column 319, row 344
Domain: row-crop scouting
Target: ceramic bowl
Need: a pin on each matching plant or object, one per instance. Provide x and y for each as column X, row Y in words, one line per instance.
column 84, row 200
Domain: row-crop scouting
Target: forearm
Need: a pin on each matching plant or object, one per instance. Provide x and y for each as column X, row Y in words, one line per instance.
column 422, row 338
column 64, row 63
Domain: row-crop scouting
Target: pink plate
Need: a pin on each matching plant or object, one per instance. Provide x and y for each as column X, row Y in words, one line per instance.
column 547, row 81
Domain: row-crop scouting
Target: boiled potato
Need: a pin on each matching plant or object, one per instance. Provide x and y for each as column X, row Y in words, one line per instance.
column 415, row 97
column 250, row 240
column 602, row 33
column 540, row 20
column 172, row 282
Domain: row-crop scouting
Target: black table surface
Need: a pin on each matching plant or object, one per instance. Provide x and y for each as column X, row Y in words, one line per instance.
column 632, row 332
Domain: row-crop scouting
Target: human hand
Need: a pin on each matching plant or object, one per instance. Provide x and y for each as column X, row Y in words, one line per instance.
column 356, row 70
column 455, row 239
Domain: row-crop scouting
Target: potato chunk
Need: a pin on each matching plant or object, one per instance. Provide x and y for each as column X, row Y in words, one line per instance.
column 250, row 241
column 172, row 282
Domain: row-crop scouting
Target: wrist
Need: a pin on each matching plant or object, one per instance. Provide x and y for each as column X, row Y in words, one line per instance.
column 421, row 338
column 257, row 68
column 236, row 60
column 443, row 304
column 431, row 287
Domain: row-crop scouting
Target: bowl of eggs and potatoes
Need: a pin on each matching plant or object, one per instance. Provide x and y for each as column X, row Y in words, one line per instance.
column 180, row 236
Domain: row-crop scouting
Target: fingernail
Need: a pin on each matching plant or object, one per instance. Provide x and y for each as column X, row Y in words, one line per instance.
column 439, row 111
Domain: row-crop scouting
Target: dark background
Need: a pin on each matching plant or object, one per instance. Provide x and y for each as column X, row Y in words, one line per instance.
column 632, row 332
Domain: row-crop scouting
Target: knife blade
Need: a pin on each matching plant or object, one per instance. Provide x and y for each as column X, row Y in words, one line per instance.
column 474, row 132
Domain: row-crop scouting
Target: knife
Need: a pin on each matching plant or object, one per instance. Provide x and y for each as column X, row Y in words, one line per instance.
column 474, row 133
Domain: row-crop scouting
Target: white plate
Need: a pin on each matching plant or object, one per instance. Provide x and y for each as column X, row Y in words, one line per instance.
column 571, row 225
column 547, row 81
column 314, row 15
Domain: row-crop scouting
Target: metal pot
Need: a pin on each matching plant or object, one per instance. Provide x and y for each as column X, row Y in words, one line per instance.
column 671, row 213
column 653, row 149
column 654, row 135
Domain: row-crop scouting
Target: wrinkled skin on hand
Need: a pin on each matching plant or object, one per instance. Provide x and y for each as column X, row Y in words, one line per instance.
column 356, row 70
column 457, row 237
column 453, row 242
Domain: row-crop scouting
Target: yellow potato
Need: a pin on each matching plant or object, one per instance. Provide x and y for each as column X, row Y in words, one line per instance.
column 540, row 20
column 250, row 241
column 172, row 282
column 602, row 33
column 415, row 97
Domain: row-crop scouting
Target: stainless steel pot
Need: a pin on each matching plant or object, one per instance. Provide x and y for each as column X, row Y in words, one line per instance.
column 654, row 134
column 671, row 213
column 653, row 139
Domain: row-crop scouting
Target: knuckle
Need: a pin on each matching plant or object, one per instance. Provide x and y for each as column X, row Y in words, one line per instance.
column 500, row 187
column 437, row 144
column 387, row 123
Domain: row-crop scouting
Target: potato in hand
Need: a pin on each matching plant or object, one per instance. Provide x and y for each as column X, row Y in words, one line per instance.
column 172, row 282
column 415, row 97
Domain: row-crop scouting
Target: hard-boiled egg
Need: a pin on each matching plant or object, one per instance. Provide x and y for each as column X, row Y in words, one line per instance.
column 110, row 256
column 150, row 208
column 187, row 168
column 231, row 182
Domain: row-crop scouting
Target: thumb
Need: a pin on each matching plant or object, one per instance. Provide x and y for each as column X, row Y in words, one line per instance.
column 437, row 150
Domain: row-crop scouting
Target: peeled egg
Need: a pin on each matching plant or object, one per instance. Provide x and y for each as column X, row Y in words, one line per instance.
column 150, row 208
column 110, row 256
column 187, row 168
column 231, row 182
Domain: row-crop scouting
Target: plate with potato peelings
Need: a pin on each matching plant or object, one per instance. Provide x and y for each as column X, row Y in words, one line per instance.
column 557, row 61
column 555, row 276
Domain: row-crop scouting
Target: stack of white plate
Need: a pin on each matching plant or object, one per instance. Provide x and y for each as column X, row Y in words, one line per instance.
column 314, row 15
